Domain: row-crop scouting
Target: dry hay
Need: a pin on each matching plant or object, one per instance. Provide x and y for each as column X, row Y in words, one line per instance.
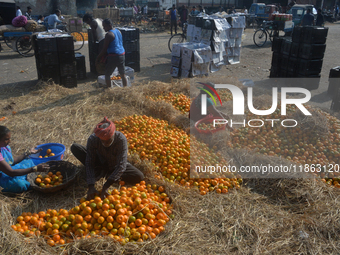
column 266, row 216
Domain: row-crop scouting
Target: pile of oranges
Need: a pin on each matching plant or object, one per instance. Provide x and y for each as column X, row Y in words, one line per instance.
column 180, row 101
column 78, row 37
column 114, row 78
column 49, row 153
column 134, row 214
column 305, row 147
column 172, row 152
column 49, row 180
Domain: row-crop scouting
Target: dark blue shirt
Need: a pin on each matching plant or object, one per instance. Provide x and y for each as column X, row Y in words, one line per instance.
column 173, row 14
column 308, row 19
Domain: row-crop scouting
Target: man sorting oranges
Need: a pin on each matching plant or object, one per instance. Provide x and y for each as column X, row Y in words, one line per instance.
column 106, row 156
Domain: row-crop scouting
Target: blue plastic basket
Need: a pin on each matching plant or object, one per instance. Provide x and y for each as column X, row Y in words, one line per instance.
column 57, row 148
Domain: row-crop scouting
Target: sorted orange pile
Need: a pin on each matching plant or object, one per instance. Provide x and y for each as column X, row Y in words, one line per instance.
column 179, row 101
column 49, row 180
column 138, row 213
column 171, row 151
column 320, row 153
column 49, row 153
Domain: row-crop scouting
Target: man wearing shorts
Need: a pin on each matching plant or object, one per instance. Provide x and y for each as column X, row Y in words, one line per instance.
column 114, row 52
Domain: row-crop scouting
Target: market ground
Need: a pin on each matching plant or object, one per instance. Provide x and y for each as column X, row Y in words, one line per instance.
column 156, row 62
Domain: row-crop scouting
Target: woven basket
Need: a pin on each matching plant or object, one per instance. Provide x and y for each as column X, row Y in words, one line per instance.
column 68, row 170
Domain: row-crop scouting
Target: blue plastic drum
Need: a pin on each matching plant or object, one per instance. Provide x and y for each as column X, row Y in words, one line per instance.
column 57, row 148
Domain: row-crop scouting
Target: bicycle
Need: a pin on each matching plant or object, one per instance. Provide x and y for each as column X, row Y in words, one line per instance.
column 178, row 38
column 268, row 28
column 24, row 44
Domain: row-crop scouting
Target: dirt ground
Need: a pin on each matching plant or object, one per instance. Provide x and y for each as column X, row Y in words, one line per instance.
column 156, row 62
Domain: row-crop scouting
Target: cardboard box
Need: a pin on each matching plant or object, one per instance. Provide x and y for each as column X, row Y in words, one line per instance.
column 185, row 73
column 238, row 42
column 218, row 46
column 203, row 55
column 186, row 64
column 217, row 57
column 197, row 31
column 190, row 30
column 236, row 33
column 200, row 69
column 221, row 24
column 174, row 71
column 175, row 61
column 177, row 48
column 238, row 22
column 231, row 42
column 206, row 34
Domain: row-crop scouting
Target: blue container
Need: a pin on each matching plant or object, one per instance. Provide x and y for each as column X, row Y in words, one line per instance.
column 57, row 148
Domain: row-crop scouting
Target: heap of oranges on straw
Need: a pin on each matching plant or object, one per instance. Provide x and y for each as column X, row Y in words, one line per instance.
column 179, row 101
column 49, row 180
column 172, row 152
column 133, row 214
column 49, row 153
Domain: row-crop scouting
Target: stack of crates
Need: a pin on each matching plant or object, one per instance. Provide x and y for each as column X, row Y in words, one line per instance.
column 46, row 58
column 130, row 43
column 300, row 57
column 68, row 65
column 333, row 88
column 131, row 46
column 55, row 60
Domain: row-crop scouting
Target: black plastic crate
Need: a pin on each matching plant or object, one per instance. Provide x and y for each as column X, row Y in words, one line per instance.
column 291, row 74
column 335, row 106
column 46, row 45
column 199, row 22
column 310, row 67
column 282, row 73
column 312, row 51
column 130, row 46
column 277, row 44
column 294, row 49
column 310, row 82
column 274, row 72
column 293, row 64
column 285, row 48
column 132, row 57
column 276, row 59
column 81, row 74
column 297, row 34
column 49, row 72
column 65, row 43
column 129, row 33
column 284, row 61
column 315, row 35
column 134, row 65
column 68, row 69
column 334, row 80
column 66, row 57
column 48, row 58
column 68, row 81
column 80, row 59
column 81, row 66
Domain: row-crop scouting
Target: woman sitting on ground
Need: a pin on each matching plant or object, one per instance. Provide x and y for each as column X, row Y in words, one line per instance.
column 14, row 169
